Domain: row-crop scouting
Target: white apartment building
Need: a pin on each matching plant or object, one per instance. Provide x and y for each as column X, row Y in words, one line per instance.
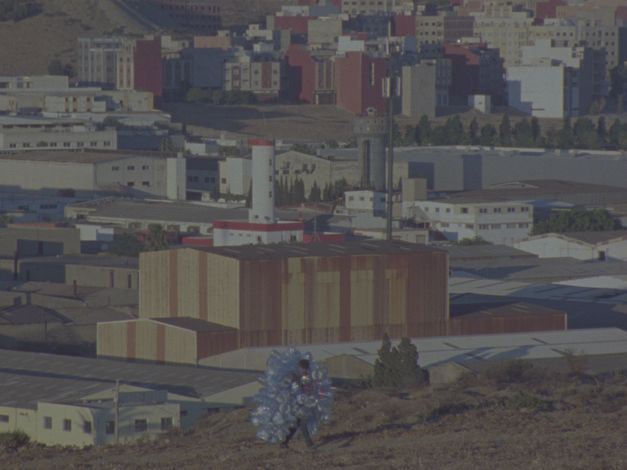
column 261, row 77
column 552, row 82
column 502, row 223
column 27, row 134
column 107, row 61
column 33, row 83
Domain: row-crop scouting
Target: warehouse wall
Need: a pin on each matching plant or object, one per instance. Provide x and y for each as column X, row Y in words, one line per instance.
column 146, row 340
column 189, row 283
column 331, row 299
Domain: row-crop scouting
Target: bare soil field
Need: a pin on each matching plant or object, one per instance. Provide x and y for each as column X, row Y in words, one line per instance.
column 28, row 46
column 293, row 122
column 541, row 422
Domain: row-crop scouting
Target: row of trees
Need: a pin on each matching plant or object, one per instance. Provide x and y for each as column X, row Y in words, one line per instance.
column 583, row 133
column 577, row 220
column 397, row 366
column 128, row 244
column 290, row 192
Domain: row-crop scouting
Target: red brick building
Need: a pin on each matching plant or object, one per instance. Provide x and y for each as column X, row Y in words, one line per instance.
column 548, row 9
column 311, row 80
column 404, row 25
column 359, row 82
column 148, row 66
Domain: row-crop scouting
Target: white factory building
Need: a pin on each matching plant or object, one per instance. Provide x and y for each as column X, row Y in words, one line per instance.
column 578, row 245
column 502, row 223
column 262, row 225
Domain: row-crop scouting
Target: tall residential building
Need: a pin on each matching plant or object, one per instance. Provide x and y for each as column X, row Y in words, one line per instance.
column 359, row 81
column 425, row 87
column 502, row 27
column 368, row 7
column 552, row 82
column 261, row 77
column 107, row 62
column 444, row 27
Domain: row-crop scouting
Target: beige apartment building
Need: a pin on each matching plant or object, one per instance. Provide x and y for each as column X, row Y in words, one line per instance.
column 368, row 7
column 501, row 27
column 443, row 27
column 262, row 78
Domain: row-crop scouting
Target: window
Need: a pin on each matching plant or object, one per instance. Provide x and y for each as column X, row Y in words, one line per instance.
column 115, row 168
column 67, row 425
column 470, row 226
column 87, row 427
column 464, row 210
column 484, row 226
column 483, row 210
column 166, row 423
column 146, row 183
column 109, row 427
column 145, row 167
column 495, row 226
column 80, row 144
column 223, row 180
column 184, row 412
column 130, row 184
column 511, row 225
column 497, row 210
column 523, row 225
column 47, row 422
column 141, row 425
column 4, row 418
column 130, row 167
column 66, row 144
column 511, row 209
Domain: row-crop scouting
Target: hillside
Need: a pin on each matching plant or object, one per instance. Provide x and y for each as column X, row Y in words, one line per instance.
column 533, row 420
column 29, row 45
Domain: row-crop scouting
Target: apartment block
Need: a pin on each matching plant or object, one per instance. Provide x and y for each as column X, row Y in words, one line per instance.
column 552, row 82
column 359, row 82
column 502, row 27
column 261, row 77
column 368, row 7
column 425, row 87
column 107, row 62
column 501, row 223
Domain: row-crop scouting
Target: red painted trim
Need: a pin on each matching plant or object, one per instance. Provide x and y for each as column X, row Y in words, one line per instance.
column 253, row 227
column 261, row 143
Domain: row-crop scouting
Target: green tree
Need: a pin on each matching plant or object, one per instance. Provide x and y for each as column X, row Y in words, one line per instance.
column 523, row 136
column 584, row 134
column 315, row 193
column 577, row 220
column 55, row 67
column 398, row 366
column 156, row 238
column 614, row 134
column 423, row 131
column 197, row 95
column 505, row 131
column 126, row 244
column 601, row 131
column 565, row 137
column 454, row 129
column 409, row 137
column 488, row 136
column 473, row 132
column 536, row 132
column 5, row 219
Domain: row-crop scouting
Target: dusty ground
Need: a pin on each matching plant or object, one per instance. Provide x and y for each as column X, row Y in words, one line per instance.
column 28, row 46
column 548, row 423
column 293, row 122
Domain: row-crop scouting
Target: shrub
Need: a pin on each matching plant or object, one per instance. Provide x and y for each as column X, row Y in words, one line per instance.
column 14, row 440
column 397, row 367
column 516, row 371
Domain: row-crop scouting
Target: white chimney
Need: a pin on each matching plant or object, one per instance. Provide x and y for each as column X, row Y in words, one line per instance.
column 262, row 211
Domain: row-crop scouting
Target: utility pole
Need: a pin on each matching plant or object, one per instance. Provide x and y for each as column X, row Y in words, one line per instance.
column 116, row 400
column 390, row 165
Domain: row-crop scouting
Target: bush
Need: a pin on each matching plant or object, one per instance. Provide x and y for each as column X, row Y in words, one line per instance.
column 14, row 440
column 516, row 371
column 397, row 367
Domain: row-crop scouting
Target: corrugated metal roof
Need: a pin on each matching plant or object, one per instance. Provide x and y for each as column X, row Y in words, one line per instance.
column 27, row 377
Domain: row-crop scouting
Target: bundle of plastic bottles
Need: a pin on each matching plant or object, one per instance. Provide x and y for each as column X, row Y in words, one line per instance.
column 282, row 399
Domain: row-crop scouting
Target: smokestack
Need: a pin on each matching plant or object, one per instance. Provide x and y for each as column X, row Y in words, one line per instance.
column 262, row 211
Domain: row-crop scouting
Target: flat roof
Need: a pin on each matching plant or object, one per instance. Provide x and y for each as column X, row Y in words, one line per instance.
column 485, row 252
column 84, row 157
column 462, row 349
column 301, row 250
column 27, row 377
column 193, row 324
column 86, row 260
column 596, row 237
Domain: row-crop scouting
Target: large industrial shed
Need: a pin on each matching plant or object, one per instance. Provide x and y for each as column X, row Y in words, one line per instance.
column 280, row 294
column 176, row 340
column 291, row 294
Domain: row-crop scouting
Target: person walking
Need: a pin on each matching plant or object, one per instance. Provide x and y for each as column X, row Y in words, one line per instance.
column 303, row 381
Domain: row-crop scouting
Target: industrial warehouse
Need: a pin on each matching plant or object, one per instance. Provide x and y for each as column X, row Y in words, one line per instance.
column 195, row 303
